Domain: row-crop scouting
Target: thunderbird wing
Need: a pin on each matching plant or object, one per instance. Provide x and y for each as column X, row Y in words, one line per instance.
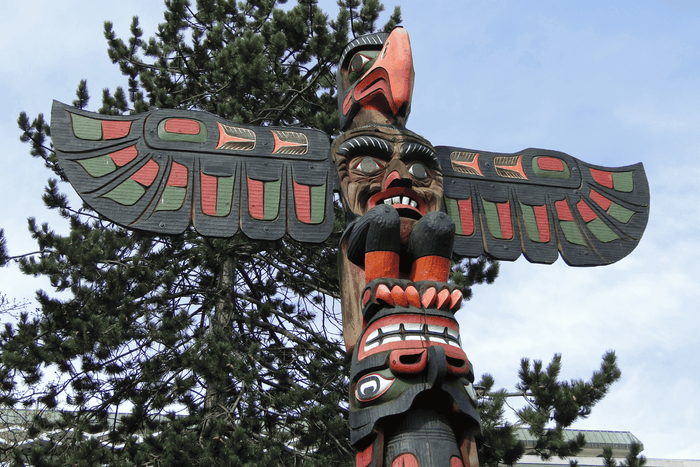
column 543, row 204
column 163, row 170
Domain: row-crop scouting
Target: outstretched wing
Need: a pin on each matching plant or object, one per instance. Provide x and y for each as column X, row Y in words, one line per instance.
column 161, row 170
column 541, row 203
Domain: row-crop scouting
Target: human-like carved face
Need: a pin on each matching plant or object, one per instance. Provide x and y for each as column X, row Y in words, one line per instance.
column 383, row 164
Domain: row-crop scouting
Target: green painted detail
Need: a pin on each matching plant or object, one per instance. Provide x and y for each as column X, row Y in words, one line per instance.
column 224, row 195
column 571, row 232
column 623, row 181
column 201, row 137
column 272, row 200
column 565, row 175
column 492, row 219
column 98, row 166
column 619, row 213
column 127, row 194
column 172, row 199
column 318, row 203
column 453, row 211
column 87, row 128
column 530, row 222
column 601, row 231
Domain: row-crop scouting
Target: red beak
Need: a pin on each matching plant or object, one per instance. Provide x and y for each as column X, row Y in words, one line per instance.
column 387, row 86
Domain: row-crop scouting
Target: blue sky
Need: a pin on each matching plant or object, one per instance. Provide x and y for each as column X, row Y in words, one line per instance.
column 611, row 83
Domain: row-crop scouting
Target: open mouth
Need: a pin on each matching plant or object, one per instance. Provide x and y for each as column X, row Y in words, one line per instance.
column 406, row 201
column 410, row 331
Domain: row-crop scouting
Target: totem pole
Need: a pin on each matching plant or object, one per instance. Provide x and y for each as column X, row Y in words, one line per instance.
column 409, row 206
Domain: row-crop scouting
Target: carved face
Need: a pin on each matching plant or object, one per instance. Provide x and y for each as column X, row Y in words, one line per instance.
column 375, row 80
column 383, row 164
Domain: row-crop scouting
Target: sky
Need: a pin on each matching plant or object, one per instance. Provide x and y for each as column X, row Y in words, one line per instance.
column 610, row 83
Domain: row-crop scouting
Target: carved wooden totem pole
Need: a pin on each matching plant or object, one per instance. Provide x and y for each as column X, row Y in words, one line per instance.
column 409, row 207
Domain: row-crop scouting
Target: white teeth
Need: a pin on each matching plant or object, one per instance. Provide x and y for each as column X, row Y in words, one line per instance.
column 371, row 346
column 437, row 339
column 389, row 340
column 412, row 332
column 373, row 336
column 390, row 329
column 405, row 200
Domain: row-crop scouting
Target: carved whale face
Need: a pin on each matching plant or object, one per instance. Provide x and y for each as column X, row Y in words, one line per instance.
column 383, row 164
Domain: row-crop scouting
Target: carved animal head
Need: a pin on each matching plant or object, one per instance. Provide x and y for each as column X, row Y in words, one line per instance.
column 375, row 80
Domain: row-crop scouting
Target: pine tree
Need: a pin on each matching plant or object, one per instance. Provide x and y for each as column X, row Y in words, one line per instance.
column 182, row 350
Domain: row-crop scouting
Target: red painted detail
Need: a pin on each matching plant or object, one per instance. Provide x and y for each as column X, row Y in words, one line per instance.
column 302, row 202
column 602, row 177
column 518, row 167
column 208, row 188
column 456, row 299
column 124, row 156
column 428, row 298
column 256, row 198
column 364, row 457
column 115, row 130
column 366, row 296
column 395, row 175
column 178, row 175
column 347, row 103
column 182, row 126
column 399, row 191
column 414, row 361
column 586, row 212
column 430, row 268
column 542, row 219
column 474, row 165
column 563, row 210
column 381, row 264
column 226, row 138
column 405, row 460
column 413, row 296
column 388, row 84
column 443, row 299
column 399, row 296
column 451, row 351
column 383, row 293
column 456, row 462
column 600, row 200
column 147, row 173
column 466, row 215
column 551, row 164
column 506, row 220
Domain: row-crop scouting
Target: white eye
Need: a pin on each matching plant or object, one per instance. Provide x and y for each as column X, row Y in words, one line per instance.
column 358, row 62
column 367, row 165
column 372, row 386
column 418, row 171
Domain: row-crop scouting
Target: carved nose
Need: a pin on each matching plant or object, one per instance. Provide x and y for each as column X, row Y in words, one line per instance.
column 396, row 179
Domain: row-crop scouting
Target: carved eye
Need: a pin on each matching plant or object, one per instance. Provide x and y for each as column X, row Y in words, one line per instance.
column 360, row 63
column 418, row 171
column 368, row 165
column 371, row 387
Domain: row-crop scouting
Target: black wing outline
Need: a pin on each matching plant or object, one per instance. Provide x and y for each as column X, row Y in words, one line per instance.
column 163, row 170
column 543, row 203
